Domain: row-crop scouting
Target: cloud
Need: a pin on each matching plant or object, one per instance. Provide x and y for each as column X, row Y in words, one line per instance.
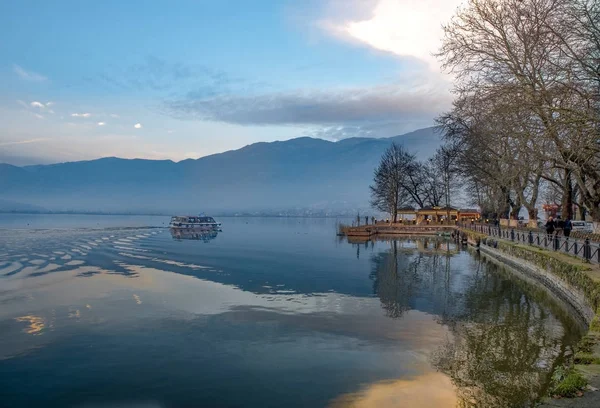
column 101, row 123
column 81, row 115
column 350, row 111
column 112, row 115
column 405, row 28
column 37, row 115
column 28, row 75
column 20, row 142
column 137, row 126
column 38, row 105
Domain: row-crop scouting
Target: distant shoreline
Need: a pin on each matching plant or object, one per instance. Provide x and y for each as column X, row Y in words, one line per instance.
column 169, row 215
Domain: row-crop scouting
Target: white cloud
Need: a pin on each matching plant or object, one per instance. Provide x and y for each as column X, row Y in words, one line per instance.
column 38, row 105
column 170, row 131
column 28, row 75
column 81, row 115
column 112, row 115
column 37, row 115
column 406, row 28
column 137, row 126
column 101, row 123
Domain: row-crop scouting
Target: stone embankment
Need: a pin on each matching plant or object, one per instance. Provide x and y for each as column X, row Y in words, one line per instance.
column 574, row 281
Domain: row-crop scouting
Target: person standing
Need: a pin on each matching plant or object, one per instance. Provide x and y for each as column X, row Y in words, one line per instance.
column 567, row 227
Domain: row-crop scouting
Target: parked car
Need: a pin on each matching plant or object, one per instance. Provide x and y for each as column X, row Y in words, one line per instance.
column 583, row 226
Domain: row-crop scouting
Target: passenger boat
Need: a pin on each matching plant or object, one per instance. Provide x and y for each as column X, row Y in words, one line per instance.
column 193, row 223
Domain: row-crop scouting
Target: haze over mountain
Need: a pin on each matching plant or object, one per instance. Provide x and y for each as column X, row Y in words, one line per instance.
column 298, row 173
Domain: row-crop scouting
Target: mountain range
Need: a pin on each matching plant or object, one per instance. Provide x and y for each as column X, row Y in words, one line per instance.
column 302, row 173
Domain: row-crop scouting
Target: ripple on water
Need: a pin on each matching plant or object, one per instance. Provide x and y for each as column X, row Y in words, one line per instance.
column 12, row 267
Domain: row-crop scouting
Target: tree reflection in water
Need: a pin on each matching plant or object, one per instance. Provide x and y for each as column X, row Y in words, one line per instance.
column 507, row 335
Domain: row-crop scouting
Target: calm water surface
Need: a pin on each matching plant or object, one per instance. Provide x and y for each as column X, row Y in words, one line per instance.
column 103, row 311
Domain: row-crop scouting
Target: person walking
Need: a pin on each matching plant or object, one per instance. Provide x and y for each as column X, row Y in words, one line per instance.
column 550, row 227
column 567, row 227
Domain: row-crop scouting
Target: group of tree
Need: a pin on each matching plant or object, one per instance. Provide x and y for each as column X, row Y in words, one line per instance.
column 403, row 181
column 525, row 122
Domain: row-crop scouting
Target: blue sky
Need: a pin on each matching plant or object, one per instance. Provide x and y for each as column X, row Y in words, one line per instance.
column 178, row 79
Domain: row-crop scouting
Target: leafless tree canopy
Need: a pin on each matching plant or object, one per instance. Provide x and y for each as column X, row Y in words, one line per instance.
column 526, row 112
column 402, row 181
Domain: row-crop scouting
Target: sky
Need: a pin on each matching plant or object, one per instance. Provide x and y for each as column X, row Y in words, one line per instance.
column 183, row 79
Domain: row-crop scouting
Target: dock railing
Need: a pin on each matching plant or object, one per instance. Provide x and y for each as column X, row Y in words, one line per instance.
column 584, row 249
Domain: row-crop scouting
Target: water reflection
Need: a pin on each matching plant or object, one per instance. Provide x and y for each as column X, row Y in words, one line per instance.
column 425, row 391
column 506, row 335
column 35, row 324
column 205, row 236
column 277, row 302
column 414, row 274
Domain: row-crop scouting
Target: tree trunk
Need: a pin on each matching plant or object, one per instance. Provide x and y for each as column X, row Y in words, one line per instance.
column 447, row 197
column 504, row 204
column 532, row 212
column 514, row 214
column 583, row 212
column 595, row 213
column 567, row 196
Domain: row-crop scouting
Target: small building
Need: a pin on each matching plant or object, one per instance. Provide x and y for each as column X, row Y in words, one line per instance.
column 437, row 215
column 468, row 214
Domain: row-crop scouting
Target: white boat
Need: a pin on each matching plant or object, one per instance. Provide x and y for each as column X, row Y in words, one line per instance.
column 193, row 223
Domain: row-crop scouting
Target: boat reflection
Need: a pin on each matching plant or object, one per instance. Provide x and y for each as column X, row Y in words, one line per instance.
column 198, row 235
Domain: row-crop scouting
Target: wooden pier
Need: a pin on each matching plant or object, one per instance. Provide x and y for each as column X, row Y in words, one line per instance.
column 368, row 231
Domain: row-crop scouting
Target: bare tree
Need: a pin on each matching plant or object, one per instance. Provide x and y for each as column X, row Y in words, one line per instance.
column 388, row 191
column 444, row 162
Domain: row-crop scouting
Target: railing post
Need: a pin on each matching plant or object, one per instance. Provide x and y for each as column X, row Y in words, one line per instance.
column 512, row 234
column 587, row 250
column 575, row 248
column 530, row 238
column 556, row 242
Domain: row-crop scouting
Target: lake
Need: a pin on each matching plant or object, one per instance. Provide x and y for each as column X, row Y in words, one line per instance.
column 112, row 311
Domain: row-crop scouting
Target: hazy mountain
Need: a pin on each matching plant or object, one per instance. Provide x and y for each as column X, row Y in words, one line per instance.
column 298, row 173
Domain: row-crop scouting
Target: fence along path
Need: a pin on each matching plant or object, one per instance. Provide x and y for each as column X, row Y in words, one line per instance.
column 583, row 249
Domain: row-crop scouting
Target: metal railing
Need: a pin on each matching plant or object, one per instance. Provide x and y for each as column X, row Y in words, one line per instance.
column 583, row 249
